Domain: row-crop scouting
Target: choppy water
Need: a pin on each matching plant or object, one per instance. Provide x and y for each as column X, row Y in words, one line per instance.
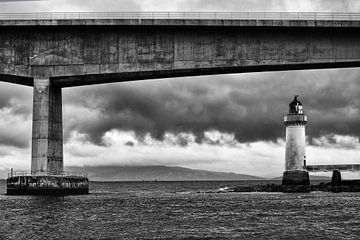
column 180, row 210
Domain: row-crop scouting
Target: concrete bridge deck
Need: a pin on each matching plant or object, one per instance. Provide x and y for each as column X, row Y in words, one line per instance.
column 264, row 19
column 74, row 49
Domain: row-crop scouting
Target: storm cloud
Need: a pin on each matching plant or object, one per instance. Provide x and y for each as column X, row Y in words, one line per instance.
column 251, row 106
column 15, row 115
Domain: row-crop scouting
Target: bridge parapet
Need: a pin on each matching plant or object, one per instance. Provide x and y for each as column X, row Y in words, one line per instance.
column 333, row 16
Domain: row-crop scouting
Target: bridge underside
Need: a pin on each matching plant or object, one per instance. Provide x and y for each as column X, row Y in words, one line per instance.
column 73, row 81
column 79, row 54
column 27, row 81
column 51, row 57
column 91, row 79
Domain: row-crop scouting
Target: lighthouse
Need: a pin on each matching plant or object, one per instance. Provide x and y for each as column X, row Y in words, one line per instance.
column 295, row 177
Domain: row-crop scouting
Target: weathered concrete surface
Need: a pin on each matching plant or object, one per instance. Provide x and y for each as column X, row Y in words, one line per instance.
column 295, row 181
column 73, row 53
column 295, row 141
column 47, row 185
column 47, row 136
column 295, row 147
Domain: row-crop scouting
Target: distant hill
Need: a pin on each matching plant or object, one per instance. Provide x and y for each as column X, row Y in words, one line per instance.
column 160, row 173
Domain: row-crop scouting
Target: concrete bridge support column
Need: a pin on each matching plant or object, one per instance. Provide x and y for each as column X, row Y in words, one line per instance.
column 47, row 136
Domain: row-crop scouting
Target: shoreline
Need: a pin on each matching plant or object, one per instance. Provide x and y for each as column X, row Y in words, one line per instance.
column 344, row 186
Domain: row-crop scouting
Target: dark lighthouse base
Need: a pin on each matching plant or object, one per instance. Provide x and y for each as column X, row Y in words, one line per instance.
column 295, row 181
column 47, row 185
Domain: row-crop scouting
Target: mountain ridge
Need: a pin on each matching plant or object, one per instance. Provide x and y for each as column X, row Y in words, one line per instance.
column 159, row 173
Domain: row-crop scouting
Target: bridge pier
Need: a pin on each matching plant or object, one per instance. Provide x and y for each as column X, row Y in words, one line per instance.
column 47, row 136
column 47, row 169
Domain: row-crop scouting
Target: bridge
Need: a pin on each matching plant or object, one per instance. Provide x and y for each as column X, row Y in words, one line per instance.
column 51, row 51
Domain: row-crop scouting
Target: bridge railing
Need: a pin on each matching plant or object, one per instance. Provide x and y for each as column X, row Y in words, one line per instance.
column 333, row 16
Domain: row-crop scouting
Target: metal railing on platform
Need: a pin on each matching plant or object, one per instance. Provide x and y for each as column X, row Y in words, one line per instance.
column 61, row 174
column 330, row 16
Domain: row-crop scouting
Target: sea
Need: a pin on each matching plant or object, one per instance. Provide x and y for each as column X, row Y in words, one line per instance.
column 180, row 210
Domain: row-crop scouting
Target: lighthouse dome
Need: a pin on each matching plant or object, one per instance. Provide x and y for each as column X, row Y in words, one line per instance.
column 295, row 107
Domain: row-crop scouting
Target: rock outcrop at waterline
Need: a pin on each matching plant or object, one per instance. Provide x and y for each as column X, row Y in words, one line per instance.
column 343, row 186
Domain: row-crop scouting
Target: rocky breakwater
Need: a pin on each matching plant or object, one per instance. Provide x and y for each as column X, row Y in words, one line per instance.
column 259, row 188
column 338, row 185
column 299, row 183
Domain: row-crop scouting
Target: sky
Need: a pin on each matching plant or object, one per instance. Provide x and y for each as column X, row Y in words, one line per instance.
column 231, row 123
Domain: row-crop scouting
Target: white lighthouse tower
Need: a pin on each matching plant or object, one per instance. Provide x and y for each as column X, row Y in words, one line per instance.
column 295, row 122
column 295, row 177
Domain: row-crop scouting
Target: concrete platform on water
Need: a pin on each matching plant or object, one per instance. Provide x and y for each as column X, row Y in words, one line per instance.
column 295, row 181
column 47, row 185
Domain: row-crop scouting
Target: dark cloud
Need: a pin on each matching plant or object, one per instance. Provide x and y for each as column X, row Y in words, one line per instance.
column 337, row 141
column 249, row 105
column 16, row 97
column 16, row 141
column 130, row 144
column 15, row 114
